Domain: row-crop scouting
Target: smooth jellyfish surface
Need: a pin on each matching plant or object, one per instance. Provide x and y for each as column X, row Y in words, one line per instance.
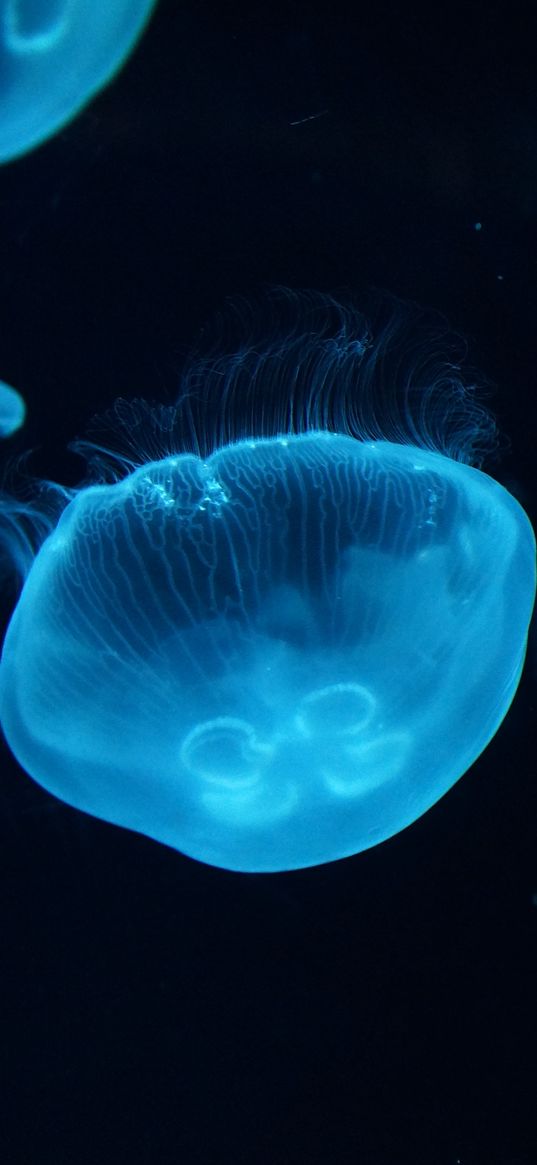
column 54, row 56
column 12, row 410
column 273, row 656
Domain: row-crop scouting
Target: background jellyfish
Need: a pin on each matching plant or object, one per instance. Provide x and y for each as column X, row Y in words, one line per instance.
column 12, row 410
column 279, row 640
column 54, row 56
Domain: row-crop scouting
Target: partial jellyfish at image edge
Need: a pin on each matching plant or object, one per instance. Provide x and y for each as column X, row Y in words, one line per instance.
column 55, row 55
column 12, row 410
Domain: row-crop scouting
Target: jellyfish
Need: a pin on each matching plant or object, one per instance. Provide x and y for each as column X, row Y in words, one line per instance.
column 12, row 410
column 283, row 616
column 54, row 56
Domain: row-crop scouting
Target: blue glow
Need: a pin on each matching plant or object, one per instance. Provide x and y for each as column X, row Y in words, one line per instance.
column 12, row 410
column 277, row 645
column 54, row 56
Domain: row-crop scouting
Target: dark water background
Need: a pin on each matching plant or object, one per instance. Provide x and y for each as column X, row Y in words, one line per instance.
column 379, row 1010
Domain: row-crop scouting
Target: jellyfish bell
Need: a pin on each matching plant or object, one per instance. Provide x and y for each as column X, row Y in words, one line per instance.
column 12, row 410
column 54, row 56
column 292, row 612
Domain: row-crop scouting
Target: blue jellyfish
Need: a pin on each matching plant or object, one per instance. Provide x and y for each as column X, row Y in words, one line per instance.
column 54, row 56
column 290, row 614
column 12, row 410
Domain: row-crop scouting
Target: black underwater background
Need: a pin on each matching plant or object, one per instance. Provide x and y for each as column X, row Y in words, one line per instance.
column 376, row 1011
